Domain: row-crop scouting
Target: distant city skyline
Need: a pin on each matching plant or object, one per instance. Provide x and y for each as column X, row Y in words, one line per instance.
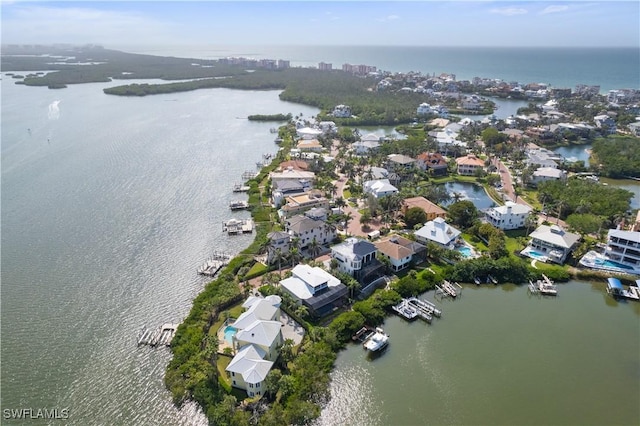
column 386, row 23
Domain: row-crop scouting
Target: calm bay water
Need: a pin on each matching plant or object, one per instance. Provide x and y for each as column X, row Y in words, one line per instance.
column 110, row 204
column 499, row 356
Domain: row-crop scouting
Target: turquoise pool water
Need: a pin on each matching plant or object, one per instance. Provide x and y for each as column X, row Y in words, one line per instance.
column 613, row 264
column 229, row 332
column 466, row 251
column 536, row 255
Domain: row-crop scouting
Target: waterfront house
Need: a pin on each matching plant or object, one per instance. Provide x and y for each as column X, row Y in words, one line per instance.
column 299, row 204
column 439, row 232
column 551, row 243
column 544, row 174
column 509, row 216
column 291, row 174
column 623, row 247
column 278, row 240
column 434, row 162
column 379, row 188
column 469, row 165
column 342, row 111
column 308, row 133
column 308, row 229
column 432, row 210
column 287, row 188
column 300, row 165
column 315, row 288
column 309, row 145
column 357, row 257
column 401, row 251
column 248, row 370
column 256, row 341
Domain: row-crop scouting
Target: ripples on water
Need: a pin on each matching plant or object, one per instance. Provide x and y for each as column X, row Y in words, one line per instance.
column 103, row 229
column 351, row 399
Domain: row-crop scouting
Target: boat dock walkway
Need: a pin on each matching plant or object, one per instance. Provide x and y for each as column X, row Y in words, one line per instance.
column 160, row 336
column 544, row 286
column 241, row 188
column 449, row 289
column 406, row 310
column 237, row 226
column 616, row 289
column 214, row 264
column 363, row 334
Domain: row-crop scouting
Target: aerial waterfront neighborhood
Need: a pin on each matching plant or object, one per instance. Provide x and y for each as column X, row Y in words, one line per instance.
column 401, row 193
column 360, row 224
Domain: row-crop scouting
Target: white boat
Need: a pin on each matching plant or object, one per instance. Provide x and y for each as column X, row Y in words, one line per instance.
column 377, row 341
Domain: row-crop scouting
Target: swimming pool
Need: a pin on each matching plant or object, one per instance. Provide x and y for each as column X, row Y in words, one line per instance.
column 612, row 264
column 535, row 255
column 229, row 332
column 465, row 251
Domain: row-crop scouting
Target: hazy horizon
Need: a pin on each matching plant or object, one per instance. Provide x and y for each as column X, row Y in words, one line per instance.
column 325, row 23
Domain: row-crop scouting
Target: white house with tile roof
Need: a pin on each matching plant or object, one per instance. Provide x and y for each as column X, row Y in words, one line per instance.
column 551, row 242
column 439, row 232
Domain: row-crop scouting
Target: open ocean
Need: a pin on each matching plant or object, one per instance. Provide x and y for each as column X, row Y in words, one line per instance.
column 610, row 68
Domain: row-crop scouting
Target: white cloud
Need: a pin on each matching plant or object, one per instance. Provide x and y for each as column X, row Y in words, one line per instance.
column 388, row 18
column 553, row 9
column 509, row 11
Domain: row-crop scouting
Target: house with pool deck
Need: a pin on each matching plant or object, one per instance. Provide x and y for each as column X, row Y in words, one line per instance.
column 256, row 336
column 439, row 232
column 621, row 254
column 550, row 243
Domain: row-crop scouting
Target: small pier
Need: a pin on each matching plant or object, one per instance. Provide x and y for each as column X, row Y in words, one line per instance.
column 214, row 264
column 237, row 226
column 363, row 334
column 448, row 289
column 425, row 306
column 249, row 175
column 544, row 286
column 239, row 205
column 616, row 289
column 160, row 336
column 406, row 310
column 238, row 187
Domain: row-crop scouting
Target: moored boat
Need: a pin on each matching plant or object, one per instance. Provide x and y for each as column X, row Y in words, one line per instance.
column 377, row 341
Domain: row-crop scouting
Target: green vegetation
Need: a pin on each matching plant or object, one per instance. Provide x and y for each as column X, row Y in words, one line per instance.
column 270, row 117
column 616, row 156
column 579, row 196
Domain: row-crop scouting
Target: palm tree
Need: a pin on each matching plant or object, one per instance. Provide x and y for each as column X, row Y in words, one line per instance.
column 347, row 218
column 302, row 311
column 279, row 256
column 456, row 196
column 314, row 248
column 294, row 255
column 340, row 202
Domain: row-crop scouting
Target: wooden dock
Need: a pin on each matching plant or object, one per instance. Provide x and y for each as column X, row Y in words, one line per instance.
column 238, row 187
column 237, row 226
column 249, row 175
column 363, row 334
column 544, row 286
column 211, row 267
column 449, row 289
column 238, row 205
column 426, row 306
column 160, row 336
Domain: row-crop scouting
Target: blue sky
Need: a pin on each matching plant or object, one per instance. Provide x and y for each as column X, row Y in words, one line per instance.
column 426, row 23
